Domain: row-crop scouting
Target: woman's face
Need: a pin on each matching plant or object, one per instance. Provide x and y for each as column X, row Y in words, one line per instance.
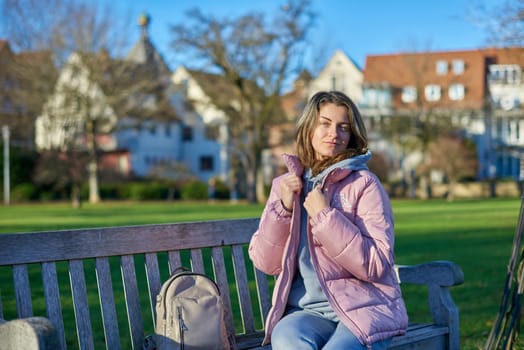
column 332, row 132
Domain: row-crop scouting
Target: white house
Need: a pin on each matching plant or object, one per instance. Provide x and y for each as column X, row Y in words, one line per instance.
column 200, row 89
column 173, row 141
column 59, row 125
column 340, row 73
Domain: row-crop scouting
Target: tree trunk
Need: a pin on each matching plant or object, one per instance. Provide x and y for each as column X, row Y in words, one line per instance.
column 92, row 166
column 451, row 190
column 76, row 201
column 251, row 185
column 94, row 196
column 261, row 195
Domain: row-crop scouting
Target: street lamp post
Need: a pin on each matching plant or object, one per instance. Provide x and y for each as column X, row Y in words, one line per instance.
column 5, row 134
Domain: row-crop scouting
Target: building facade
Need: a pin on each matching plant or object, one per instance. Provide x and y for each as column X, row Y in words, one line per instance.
column 478, row 91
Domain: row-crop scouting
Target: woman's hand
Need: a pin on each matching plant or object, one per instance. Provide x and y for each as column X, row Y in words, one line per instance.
column 289, row 185
column 315, row 201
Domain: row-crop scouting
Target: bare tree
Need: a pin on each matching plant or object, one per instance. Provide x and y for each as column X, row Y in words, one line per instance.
column 255, row 57
column 64, row 26
column 99, row 89
column 454, row 157
column 503, row 22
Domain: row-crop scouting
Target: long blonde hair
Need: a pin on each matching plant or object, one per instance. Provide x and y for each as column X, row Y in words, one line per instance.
column 308, row 121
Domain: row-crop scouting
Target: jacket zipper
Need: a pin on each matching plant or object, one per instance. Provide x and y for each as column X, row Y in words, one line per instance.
column 317, row 270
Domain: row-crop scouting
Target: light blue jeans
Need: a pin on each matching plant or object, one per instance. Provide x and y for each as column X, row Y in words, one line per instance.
column 303, row 330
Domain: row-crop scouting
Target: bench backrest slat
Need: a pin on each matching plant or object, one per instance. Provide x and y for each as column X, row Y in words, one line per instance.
column 197, row 262
column 22, row 290
column 107, row 303
column 132, row 301
column 80, row 304
column 52, row 300
column 219, row 270
column 263, row 293
column 174, row 260
column 153, row 279
column 243, row 288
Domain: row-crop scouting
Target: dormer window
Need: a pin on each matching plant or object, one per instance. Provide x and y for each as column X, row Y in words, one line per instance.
column 458, row 67
column 442, row 67
column 409, row 94
column 432, row 92
column 456, row 92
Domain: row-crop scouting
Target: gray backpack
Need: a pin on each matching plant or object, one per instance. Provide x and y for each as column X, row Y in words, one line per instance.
column 189, row 314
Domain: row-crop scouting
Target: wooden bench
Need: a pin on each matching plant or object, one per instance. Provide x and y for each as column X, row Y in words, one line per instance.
column 96, row 288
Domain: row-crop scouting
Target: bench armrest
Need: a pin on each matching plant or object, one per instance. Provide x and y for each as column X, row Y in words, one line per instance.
column 33, row 333
column 441, row 273
column 438, row 276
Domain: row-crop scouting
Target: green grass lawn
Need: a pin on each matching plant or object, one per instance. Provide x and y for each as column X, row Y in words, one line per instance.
column 476, row 234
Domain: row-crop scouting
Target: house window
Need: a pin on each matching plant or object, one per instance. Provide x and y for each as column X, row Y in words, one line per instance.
column 409, row 94
column 370, row 97
column 7, row 105
column 187, row 133
column 212, row 132
column 432, row 92
column 442, row 67
column 337, row 82
column 458, row 67
column 206, row 163
column 456, row 92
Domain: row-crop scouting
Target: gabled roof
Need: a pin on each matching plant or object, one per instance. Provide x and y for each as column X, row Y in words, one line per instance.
column 222, row 92
column 340, row 57
column 215, row 86
column 120, row 80
column 144, row 52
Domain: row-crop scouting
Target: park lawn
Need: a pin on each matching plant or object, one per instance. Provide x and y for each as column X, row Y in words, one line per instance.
column 476, row 234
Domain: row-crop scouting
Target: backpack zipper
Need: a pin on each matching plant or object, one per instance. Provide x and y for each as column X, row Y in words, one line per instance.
column 181, row 326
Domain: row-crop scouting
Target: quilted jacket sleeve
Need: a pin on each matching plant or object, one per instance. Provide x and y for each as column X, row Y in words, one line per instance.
column 361, row 243
column 268, row 242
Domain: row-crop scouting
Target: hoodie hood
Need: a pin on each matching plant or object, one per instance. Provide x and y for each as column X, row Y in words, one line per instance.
column 354, row 163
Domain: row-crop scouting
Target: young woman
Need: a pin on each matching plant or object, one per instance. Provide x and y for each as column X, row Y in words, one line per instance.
column 327, row 232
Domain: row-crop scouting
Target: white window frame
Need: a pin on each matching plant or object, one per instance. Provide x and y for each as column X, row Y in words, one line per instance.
column 409, row 94
column 441, row 67
column 456, row 92
column 432, row 92
column 371, row 97
column 459, row 66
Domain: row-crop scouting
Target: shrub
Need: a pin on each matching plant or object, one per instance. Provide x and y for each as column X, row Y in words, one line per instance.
column 146, row 191
column 221, row 190
column 24, row 192
column 194, row 190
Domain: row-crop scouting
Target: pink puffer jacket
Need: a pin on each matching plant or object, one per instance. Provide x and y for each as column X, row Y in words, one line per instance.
column 352, row 253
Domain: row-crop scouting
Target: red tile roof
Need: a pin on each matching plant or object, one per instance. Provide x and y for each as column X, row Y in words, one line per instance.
column 419, row 69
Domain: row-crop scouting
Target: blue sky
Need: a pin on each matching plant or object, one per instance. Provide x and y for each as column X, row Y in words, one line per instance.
column 359, row 28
